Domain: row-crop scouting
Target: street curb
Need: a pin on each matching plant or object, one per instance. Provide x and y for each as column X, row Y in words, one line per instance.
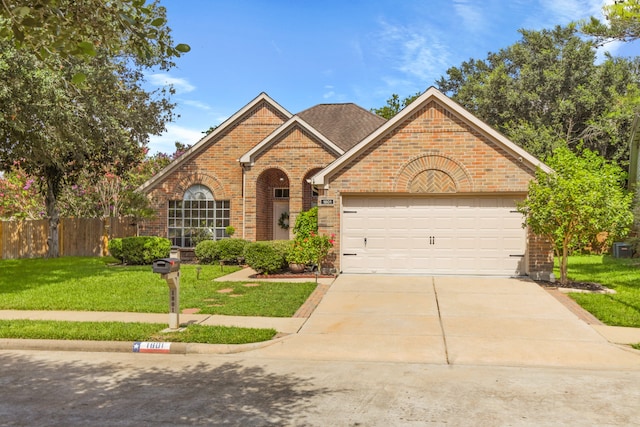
column 127, row 346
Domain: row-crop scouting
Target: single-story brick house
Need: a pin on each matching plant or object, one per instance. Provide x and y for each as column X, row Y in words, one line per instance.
column 431, row 191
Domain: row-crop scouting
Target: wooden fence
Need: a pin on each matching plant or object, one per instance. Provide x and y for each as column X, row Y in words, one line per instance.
column 77, row 236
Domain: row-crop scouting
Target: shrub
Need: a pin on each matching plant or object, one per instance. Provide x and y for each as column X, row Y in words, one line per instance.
column 231, row 249
column 115, row 248
column 266, row 257
column 306, row 223
column 142, row 250
column 198, row 235
column 207, row 252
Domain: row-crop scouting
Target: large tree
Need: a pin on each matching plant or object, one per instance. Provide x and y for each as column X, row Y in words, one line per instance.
column 581, row 198
column 546, row 90
column 623, row 23
column 55, row 130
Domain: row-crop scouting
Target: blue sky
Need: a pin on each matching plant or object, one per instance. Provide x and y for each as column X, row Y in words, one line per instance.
column 303, row 53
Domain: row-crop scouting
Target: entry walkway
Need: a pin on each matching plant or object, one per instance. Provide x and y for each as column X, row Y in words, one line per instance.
column 448, row 320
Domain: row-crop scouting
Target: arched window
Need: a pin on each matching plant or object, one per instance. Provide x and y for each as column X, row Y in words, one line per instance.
column 198, row 216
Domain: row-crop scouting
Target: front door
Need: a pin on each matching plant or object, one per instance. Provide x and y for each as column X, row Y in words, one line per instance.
column 280, row 218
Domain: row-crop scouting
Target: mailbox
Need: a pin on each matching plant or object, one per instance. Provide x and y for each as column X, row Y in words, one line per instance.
column 166, row 265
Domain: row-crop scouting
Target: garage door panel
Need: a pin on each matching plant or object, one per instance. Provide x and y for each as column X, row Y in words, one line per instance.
column 433, row 235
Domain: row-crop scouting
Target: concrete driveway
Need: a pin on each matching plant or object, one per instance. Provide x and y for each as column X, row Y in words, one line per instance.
column 449, row 320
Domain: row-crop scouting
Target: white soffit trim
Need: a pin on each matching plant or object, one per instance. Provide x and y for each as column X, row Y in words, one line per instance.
column 432, row 93
column 249, row 156
column 200, row 145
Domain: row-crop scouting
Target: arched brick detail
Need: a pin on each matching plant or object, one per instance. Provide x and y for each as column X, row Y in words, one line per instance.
column 432, row 181
column 448, row 175
column 205, row 179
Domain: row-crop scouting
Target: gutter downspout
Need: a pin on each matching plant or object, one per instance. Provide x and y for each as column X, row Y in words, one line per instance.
column 244, row 203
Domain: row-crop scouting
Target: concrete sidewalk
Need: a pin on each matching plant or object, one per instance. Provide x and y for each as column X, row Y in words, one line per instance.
column 449, row 320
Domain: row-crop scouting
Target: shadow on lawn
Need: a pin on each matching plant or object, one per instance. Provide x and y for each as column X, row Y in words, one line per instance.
column 77, row 393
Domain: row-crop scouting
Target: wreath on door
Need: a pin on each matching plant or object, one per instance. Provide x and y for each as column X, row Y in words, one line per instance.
column 283, row 221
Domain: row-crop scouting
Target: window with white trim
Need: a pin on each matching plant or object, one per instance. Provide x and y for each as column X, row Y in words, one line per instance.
column 197, row 216
column 280, row 193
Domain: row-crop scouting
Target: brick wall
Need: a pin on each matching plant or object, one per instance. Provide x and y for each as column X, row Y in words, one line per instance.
column 432, row 138
column 296, row 155
column 217, row 167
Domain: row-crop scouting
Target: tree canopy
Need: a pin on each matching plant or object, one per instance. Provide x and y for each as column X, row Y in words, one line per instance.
column 80, row 29
column 546, row 90
column 394, row 105
column 623, row 23
column 581, row 198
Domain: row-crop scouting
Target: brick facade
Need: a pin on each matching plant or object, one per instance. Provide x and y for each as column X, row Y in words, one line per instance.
column 295, row 155
column 215, row 166
column 434, row 139
column 433, row 148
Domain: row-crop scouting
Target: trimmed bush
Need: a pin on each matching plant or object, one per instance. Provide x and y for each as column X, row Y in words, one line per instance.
column 143, row 250
column 207, row 252
column 306, row 223
column 266, row 257
column 231, row 249
column 115, row 248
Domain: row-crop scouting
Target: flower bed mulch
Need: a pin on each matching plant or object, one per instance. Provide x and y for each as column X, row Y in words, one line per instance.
column 289, row 275
column 584, row 286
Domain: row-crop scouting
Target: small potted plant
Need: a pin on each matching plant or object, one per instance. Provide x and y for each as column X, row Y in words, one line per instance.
column 298, row 257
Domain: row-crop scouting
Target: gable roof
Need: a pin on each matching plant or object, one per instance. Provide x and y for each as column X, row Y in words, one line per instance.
column 431, row 94
column 204, row 142
column 344, row 124
column 249, row 156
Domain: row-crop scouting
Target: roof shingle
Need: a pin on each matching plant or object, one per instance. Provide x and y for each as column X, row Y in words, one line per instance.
column 344, row 124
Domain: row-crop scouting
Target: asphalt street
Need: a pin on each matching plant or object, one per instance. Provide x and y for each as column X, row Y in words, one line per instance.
column 39, row 388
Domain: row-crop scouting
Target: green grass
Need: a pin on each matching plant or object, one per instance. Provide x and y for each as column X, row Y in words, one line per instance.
column 620, row 274
column 119, row 331
column 92, row 284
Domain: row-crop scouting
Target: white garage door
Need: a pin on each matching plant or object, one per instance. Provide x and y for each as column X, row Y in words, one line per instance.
column 432, row 235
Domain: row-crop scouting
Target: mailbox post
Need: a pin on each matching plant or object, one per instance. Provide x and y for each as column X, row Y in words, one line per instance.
column 169, row 269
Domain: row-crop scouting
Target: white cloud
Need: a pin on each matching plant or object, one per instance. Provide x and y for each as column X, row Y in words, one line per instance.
column 165, row 143
column 565, row 11
column 180, row 85
column 471, row 15
column 416, row 52
column 197, row 104
column 328, row 95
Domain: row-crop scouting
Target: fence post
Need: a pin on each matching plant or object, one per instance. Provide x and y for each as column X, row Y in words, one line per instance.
column 60, row 237
column 106, row 228
column 1, row 248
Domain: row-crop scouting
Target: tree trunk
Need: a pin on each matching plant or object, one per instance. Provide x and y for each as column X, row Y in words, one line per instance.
column 54, row 220
column 564, row 261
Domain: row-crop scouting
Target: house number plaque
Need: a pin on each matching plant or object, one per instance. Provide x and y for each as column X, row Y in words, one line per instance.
column 327, row 202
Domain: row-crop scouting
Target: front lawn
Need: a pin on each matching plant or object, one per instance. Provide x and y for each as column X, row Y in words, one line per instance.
column 620, row 274
column 120, row 331
column 92, row 284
